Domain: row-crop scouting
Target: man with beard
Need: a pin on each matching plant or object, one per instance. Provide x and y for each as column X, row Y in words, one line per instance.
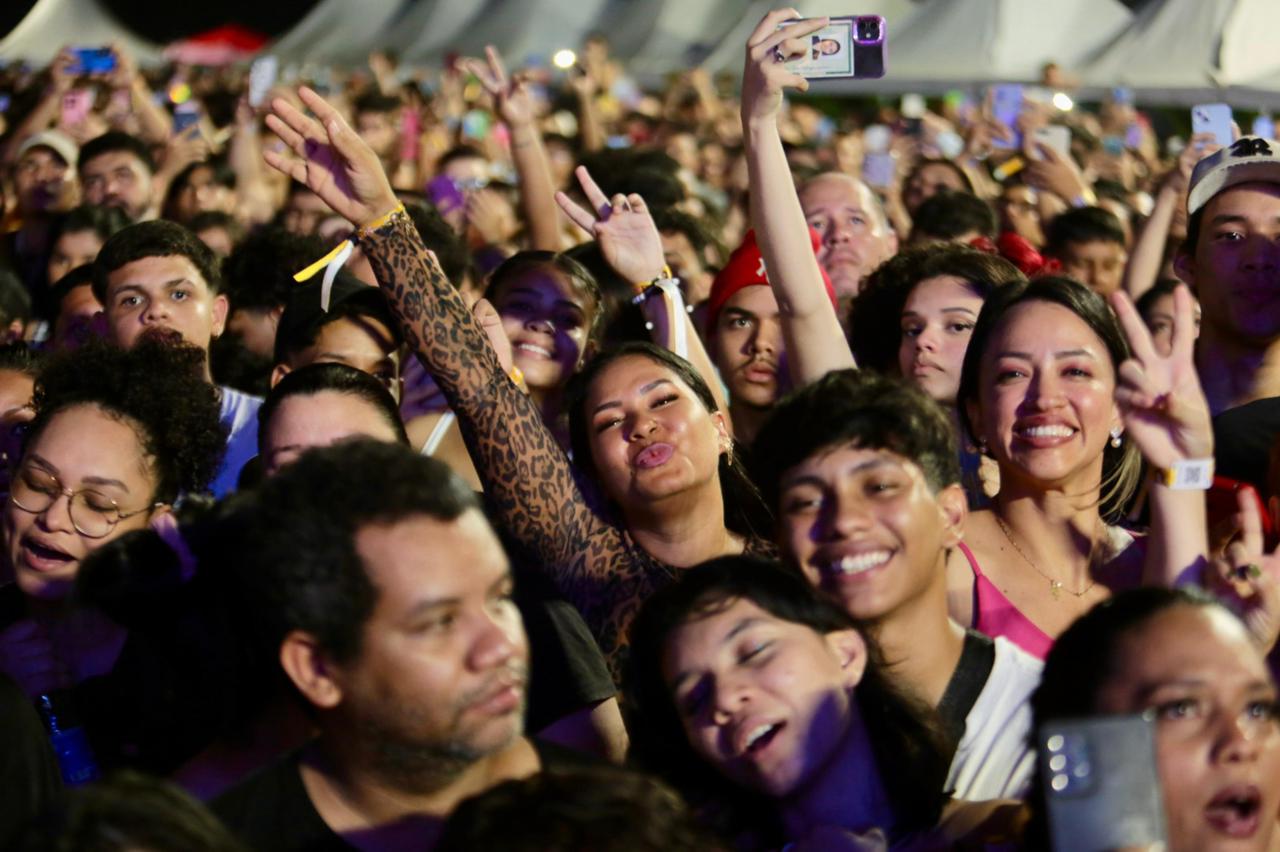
column 116, row 170
column 745, row 337
column 856, row 237
column 159, row 278
column 414, row 668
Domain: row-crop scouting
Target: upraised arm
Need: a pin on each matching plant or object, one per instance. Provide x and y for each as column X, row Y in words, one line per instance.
column 815, row 341
column 631, row 244
column 537, row 189
column 1167, row 416
column 527, row 478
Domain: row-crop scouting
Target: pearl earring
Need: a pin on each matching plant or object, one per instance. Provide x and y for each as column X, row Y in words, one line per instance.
column 1115, row 437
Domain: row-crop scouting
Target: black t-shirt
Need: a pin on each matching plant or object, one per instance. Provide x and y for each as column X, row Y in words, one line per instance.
column 270, row 810
column 29, row 776
column 1242, row 439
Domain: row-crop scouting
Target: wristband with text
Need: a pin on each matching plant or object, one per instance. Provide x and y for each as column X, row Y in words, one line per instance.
column 1186, row 475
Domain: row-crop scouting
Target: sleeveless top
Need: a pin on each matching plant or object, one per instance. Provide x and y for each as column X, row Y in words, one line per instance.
column 995, row 615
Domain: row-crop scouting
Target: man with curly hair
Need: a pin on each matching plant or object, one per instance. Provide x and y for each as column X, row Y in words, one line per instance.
column 158, row 278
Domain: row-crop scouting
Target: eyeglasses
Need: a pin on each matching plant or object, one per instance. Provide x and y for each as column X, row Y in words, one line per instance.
column 93, row 514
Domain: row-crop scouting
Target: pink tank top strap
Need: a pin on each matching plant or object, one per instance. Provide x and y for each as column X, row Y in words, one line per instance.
column 995, row 615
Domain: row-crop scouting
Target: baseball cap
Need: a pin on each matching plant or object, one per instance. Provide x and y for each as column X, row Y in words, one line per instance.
column 303, row 316
column 746, row 269
column 55, row 140
column 1248, row 159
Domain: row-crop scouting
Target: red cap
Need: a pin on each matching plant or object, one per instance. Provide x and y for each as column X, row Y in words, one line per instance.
column 746, row 269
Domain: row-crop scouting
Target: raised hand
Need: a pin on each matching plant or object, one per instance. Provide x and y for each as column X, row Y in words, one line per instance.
column 1247, row 578
column 330, row 159
column 768, row 48
column 509, row 92
column 1164, row 408
column 622, row 225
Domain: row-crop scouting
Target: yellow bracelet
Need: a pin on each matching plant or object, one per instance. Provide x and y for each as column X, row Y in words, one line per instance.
column 516, row 375
column 641, row 286
column 368, row 228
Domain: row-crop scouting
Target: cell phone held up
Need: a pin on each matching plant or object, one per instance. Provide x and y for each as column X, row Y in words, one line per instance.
column 93, row 60
column 850, row 46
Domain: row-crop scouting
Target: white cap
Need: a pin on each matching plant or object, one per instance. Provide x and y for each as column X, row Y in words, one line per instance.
column 55, row 140
column 1248, row 159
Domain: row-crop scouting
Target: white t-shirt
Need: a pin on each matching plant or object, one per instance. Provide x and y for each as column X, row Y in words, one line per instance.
column 240, row 416
column 995, row 758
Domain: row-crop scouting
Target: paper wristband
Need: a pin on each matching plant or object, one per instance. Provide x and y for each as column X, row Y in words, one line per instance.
column 1187, row 475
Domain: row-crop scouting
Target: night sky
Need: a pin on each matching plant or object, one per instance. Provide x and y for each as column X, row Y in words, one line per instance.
column 165, row 20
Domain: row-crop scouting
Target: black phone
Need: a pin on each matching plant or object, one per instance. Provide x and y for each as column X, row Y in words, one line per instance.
column 1100, row 782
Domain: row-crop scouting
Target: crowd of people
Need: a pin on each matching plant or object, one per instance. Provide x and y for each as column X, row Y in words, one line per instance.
column 536, row 461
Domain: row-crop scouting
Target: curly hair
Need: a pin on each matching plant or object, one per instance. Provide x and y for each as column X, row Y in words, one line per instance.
column 158, row 388
column 875, row 330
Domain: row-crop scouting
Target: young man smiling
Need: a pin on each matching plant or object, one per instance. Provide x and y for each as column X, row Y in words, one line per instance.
column 159, row 278
column 863, row 475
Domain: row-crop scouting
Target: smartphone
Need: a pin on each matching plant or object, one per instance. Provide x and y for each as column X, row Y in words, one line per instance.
column 185, row 117
column 93, row 60
column 879, row 169
column 852, row 46
column 1100, row 783
column 1264, row 126
column 1212, row 118
column 1055, row 136
column 1006, row 106
column 912, row 109
column 262, row 77
column 1122, row 96
column 76, row 104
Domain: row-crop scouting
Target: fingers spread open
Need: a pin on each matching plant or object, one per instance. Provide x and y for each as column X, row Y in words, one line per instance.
column 769, row 24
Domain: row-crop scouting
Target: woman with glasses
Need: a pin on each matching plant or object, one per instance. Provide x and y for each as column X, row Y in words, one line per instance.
column 117, row 437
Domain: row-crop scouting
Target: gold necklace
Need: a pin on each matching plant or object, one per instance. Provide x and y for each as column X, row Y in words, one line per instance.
column 1055, row 586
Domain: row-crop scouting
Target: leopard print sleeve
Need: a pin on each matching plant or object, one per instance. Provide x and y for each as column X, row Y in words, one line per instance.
column 528, row 480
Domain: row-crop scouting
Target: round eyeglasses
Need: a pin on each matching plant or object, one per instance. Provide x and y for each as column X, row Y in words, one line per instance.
column 93, row 513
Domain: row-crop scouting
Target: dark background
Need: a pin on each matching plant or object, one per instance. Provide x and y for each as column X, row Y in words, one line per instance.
column 166, row 20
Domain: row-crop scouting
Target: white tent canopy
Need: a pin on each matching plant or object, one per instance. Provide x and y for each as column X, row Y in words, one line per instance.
column 1186, row 51
column 337, row 31
column 945, row 44
column 51, row 24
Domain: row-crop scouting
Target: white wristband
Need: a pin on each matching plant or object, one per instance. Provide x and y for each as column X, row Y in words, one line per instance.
column 1187, row 475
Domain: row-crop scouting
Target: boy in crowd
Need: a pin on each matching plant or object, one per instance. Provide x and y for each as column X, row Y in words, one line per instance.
column 158, row 277
column 863, row 475
column 1090, row 243
column 1231, row 259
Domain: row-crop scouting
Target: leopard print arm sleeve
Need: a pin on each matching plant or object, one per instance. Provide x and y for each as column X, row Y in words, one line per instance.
column 527, row 477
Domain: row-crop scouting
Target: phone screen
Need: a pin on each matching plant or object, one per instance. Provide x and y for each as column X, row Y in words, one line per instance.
column 1215, row 119
column 845, row 47
column 93, row 60
column 1006, row 106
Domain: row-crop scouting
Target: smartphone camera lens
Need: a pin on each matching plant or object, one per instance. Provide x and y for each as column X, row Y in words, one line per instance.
column 868, row 29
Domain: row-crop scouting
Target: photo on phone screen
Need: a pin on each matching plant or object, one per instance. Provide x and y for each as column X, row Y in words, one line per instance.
column 845, row 47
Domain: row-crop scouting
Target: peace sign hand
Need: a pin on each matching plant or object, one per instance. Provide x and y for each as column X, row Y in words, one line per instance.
column 331, row 159
column 622, row 225
column 1247, row 578
column 509, row 93
column 766, row 73
column 1164, row 408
